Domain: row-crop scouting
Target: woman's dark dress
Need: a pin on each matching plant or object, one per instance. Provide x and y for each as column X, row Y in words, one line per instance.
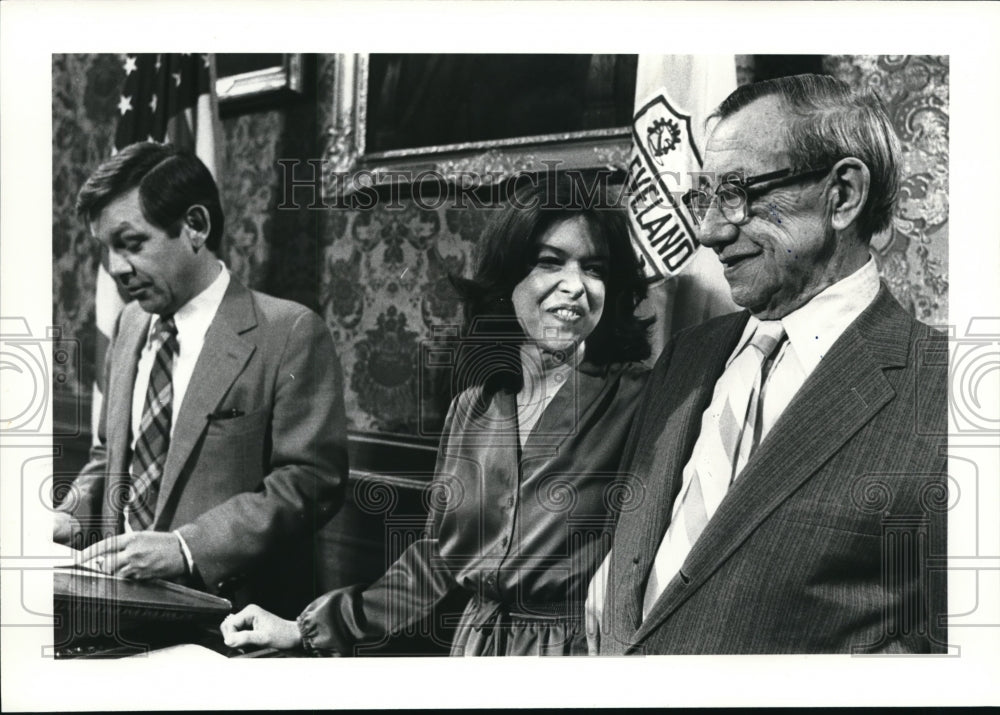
column 520, row 530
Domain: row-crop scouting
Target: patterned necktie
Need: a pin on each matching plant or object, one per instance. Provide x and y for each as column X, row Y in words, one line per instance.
column 154, row 430
column 729, row 432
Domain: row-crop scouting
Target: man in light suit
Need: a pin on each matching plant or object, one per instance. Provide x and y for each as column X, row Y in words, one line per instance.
column 790, row 457
column 223, row 444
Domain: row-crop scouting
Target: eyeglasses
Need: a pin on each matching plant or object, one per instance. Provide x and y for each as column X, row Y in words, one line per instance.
column 735, row 194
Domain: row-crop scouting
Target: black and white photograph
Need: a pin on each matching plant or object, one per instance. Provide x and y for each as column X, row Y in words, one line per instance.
column 342, row 372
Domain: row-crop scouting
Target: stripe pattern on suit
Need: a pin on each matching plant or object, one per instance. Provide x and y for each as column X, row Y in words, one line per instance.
column 823, row 543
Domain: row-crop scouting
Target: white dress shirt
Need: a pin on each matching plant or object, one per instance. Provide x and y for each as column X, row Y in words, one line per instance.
column 811, row 330
column 192, row 320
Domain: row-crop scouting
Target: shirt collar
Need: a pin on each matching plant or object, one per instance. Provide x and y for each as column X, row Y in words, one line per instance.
column 813, row 328
column 196, row 315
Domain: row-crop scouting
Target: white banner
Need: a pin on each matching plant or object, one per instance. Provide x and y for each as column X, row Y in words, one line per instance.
column 674, row 96
column 664, row 156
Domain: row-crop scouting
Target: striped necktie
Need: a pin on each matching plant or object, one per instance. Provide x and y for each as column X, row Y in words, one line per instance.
column 154, row 431
column 729, row 432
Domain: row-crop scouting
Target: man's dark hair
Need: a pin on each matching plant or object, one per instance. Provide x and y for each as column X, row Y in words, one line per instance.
column 830, row 122
column 507, row 252
column 170, row 181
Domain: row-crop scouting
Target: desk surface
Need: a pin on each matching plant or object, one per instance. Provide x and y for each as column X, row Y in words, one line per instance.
column 157, row 640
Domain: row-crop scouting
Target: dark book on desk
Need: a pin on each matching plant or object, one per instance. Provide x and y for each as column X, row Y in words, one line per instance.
column 97, row 615
column 80, row 590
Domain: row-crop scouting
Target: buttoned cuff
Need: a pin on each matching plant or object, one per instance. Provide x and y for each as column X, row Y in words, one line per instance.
column 308, row 633
column 332, row 625
column 188, row 558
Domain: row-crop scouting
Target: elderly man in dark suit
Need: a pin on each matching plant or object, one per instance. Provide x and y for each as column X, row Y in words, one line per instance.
column 791, row 457
column 223, row 441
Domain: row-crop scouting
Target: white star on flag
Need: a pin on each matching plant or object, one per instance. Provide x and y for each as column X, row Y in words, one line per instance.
column 125, row 105
column 177, row 78
column 130, row 65
column 152, row 104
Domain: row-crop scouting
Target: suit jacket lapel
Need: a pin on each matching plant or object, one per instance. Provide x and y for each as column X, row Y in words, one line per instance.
column 128, row 346
column 222, row 358
column 847, row 389
column 674, row 420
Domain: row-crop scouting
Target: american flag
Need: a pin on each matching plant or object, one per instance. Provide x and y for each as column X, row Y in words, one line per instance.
column 165, row 98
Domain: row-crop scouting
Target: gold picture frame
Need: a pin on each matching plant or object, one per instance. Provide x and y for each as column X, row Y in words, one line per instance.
column 483, row 162
column 280, row 73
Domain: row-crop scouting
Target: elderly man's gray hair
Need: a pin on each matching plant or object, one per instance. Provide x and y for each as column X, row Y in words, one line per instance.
column 830, row 121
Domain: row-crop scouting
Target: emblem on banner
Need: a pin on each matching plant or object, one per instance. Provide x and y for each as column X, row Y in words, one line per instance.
column 664, row 136
column 664, row 159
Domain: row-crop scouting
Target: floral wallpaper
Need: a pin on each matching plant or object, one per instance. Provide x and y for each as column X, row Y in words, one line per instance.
column 379, row 277
column 384, row 289
column 85, row 94
column 913, row 254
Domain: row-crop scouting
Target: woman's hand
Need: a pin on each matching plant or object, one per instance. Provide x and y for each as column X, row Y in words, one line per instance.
column 255, row 626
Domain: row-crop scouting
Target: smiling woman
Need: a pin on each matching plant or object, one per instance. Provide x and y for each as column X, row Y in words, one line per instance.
column 556, row 240
column 561, row 300
column 526, row 487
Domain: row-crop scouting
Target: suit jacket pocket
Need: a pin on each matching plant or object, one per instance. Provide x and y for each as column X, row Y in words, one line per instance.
column 838, row 519
column 229, row 426
column 235, row 447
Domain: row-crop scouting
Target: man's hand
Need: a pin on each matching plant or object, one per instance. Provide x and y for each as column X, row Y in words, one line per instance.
column 64, row 528
column 255, row 626
column 139, row 555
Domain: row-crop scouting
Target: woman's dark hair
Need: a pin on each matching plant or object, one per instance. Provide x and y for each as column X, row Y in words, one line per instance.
column 507, row 252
